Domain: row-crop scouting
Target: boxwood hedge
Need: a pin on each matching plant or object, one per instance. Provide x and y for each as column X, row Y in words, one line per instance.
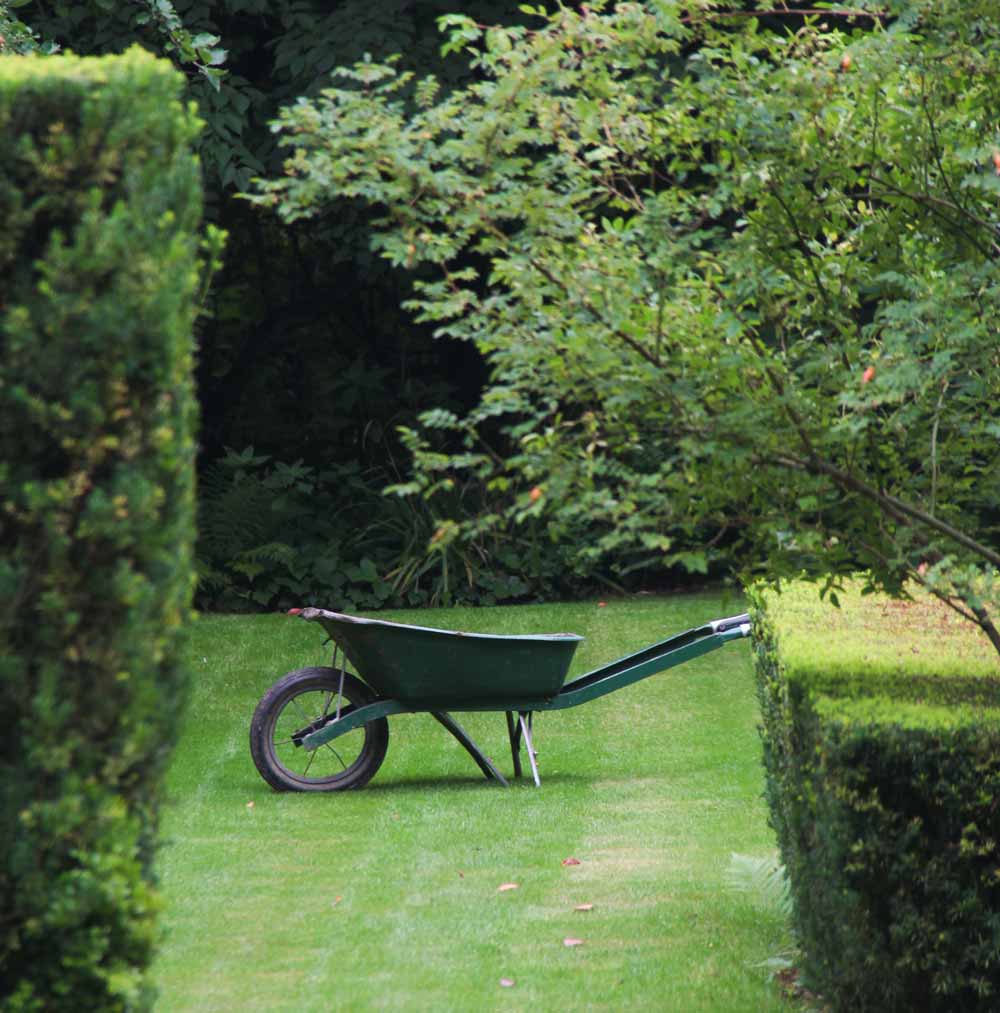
column 881, row 733
column 100, row 204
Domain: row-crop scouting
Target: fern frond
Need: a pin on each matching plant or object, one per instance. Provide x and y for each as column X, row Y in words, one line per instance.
column 233, row 512
column 270, row 552
column 763, row 880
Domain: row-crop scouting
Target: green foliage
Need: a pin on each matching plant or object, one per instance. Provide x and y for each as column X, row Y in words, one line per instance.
column 100, row 199
column 764, row 882
column 112, row 22
column 762, row 879
column 736, row 286
column 244, row 58
column 274, row 534
column 107, row 26
column 884, row 807
column 304, row 344
column 15, row 35
column 933, row 655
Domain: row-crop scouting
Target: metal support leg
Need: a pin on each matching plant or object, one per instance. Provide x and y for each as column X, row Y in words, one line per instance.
column 526, row 732
column 514, row 734
column 470, row 747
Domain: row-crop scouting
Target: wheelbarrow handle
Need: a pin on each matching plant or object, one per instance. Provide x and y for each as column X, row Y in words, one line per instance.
column 721, row 625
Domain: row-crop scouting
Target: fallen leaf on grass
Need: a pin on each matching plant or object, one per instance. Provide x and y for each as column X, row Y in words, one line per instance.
column 504, row 887
column 506, row 982
column 572, row 942
column 584, row 907
column 571, row 861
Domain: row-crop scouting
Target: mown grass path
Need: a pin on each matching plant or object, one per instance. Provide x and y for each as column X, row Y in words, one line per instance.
column 386, row 898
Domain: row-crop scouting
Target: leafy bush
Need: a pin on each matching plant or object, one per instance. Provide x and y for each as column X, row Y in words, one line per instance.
column 305, row 344
column 274, row 534
column 730, row 273
column 881, row 739
column 15, row 35
column 100, row 199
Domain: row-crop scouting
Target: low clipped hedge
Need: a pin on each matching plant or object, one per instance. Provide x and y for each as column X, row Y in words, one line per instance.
column 881, row 734
column 100, row 204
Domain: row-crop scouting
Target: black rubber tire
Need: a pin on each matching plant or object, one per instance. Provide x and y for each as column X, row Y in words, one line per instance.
column 270, row 709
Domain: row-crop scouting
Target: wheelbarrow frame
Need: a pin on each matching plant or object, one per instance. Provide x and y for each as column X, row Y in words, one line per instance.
column 437, row 688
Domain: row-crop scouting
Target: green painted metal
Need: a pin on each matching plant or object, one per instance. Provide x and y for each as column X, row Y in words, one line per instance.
column 597, row 683
column 618, row 675
column 355, row 718
column 482, row 760
column 514, row 735
column 446, row 669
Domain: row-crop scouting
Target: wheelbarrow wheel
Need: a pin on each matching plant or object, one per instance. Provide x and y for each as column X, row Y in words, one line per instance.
column 301, row 700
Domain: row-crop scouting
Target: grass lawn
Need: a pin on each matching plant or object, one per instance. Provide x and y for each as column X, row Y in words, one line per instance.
column 386, row 898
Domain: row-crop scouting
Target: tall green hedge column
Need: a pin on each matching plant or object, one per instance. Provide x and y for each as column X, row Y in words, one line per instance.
column 100, row 205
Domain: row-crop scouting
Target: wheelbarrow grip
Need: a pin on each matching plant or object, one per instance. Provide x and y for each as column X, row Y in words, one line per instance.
column 721, row 625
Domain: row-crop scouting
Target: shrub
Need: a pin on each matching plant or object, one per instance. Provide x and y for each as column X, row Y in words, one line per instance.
column 100, row 200
column 881, row 731
column 733, row 277
column 274, row 534
column 15, row 35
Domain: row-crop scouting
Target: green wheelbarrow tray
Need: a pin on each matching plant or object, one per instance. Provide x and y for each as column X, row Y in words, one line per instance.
column 417, row 669
column 464, row 671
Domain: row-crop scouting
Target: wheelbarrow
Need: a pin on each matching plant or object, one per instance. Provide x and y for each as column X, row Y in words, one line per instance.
column 324, row 729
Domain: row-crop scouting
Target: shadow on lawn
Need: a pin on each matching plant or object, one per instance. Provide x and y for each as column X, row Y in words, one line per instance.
column 463, row 782
column 399, row 785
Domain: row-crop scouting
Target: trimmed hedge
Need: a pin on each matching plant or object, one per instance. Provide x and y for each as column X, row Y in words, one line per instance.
column 881, row 734
column 100, row 203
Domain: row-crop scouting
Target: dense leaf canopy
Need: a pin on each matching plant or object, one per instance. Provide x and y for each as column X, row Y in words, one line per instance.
column 734, row 282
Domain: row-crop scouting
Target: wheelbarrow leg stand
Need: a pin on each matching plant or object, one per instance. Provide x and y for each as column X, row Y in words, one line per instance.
column 524, row 729
column 514, row 734
column 516, row 730
column 482, row 761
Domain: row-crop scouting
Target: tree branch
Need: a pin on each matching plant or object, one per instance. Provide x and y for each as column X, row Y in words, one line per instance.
column 892, row 504
column 920, row 198
column 843, row 12
column 802, row 244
